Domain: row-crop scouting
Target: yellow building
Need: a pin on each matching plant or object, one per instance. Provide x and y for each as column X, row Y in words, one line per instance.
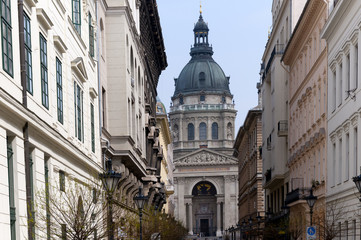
column 167, row 167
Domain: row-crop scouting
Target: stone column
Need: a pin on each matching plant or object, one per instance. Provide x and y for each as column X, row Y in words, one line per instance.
column 190, row 219
column 219, row 233
column 181, row 205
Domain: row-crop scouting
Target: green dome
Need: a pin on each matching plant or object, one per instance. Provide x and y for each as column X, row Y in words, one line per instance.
column 201, row 73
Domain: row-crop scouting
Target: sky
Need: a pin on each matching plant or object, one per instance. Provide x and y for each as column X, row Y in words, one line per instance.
column 238, row 32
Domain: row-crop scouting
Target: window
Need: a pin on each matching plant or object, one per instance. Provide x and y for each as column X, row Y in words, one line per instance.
column 78, row 112
column 202, row 131
column 214, row 130
column 181, row 102
column 92, row 127
column 62, row 181
column 356, row 67
column 202, row 98
column 347, row 167
column 59, row 90
column 47, row 200
column 91, row 37
column 333, row 90
column 190, row 131
column 355, row 150
column 28, row 59
column 10, row 154
column 94, row 196
column 202, row 78
column 333, row 176
column 340, row 85
column 63, row 231
column 76, row 15
column 44, row 72
column 104, row 107
column 6, row 36
column 339, row 161
column 348, row 72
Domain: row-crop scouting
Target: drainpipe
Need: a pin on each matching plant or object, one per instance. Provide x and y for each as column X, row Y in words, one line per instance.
column 29, row 198
column 22, row 51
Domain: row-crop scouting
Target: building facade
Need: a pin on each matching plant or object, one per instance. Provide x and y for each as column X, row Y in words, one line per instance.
column 342, row 34
column 131, row 58
column 167, row 167
column 306, row 58
column 202, row 119
column 247, row 149
column 49, row 101
column 274, row 86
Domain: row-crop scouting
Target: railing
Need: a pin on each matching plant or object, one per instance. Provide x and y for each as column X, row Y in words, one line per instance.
column 197, row 107
column 282, row 128
column 296, row 195
column 277, row 50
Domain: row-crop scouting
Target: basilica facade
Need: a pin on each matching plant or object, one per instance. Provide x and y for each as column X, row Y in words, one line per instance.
column 202, row 117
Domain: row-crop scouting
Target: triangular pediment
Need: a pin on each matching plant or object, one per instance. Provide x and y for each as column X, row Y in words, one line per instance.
column 79, row 68
column 203, row 157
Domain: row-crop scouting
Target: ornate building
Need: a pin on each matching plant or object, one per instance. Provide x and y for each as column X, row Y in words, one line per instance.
column 202, row 120
column 247, row 149
column 343, row 37
column 306, row 57
column 131, row 58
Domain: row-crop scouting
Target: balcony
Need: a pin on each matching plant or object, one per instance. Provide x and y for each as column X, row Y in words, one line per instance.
column 282, row 128
column 297, row 194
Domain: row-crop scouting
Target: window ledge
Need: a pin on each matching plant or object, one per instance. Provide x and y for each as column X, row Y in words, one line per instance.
column 44, row 19
column 59, row 44
column 93, row 93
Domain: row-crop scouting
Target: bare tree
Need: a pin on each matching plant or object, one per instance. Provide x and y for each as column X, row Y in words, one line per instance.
column 327, row 219
column 70, row 212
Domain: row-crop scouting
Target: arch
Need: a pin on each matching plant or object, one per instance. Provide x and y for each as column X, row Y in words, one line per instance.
column 176, row 133
column 202, row 131
column 196, row 181
column 204, row 188
column 190, row 131
column 214, row 130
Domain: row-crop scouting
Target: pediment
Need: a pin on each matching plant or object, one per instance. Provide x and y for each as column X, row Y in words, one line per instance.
column 79, row 68
column 203, row 157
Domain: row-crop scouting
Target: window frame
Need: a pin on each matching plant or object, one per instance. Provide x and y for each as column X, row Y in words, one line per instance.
column 79, row 111
column 76, row 15
column 91, row 36
column 214, row 128
column 28, row 54
column 92, row 127
column 190, row 131
column 6, row 35
column 59, row 90
column 202, row 131
column 44, row 71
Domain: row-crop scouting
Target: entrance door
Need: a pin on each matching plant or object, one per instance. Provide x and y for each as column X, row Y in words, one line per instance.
column 205, row 227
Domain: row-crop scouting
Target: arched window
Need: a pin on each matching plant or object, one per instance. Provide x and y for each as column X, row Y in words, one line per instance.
column 202, row 78
column 214, row 130
column 202, row 131
column 190, row 131
column 131, row 62
column 229, row 131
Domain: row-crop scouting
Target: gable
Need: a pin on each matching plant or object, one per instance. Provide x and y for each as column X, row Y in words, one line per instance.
column 78, row 67
column 204, row 157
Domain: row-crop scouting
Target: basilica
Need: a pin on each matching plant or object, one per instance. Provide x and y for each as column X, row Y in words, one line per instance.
column 202, row 117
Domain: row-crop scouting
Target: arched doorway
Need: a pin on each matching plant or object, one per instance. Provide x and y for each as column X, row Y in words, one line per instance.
column 204, row 203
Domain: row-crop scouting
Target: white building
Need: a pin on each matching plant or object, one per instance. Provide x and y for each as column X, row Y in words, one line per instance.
column 49, row 102
column 202, row 120
column 342, row 33
column 274, row 88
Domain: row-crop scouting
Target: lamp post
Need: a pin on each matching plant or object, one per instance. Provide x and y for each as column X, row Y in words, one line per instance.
column 110, row 180
column 140, row 200
column 311, row 200
column 357, row 181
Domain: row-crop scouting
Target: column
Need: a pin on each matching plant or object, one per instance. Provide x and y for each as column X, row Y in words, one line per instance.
column 190, row 218
column 181, row 205
column 219, row 233
column 338, row 85
column 352, row 66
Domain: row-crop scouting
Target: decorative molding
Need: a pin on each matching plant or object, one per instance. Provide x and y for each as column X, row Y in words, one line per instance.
column 204, row 157
column 77, row 65
column 93, row 93
column 59, row 44
column 44, row 19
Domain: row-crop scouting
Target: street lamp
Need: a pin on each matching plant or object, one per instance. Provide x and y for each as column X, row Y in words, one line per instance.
column 311, row 200
column 140, row 200
column 357, row 181
column 110, row 180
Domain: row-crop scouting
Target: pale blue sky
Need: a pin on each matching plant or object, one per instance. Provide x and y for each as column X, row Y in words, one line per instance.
column 238, row 34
